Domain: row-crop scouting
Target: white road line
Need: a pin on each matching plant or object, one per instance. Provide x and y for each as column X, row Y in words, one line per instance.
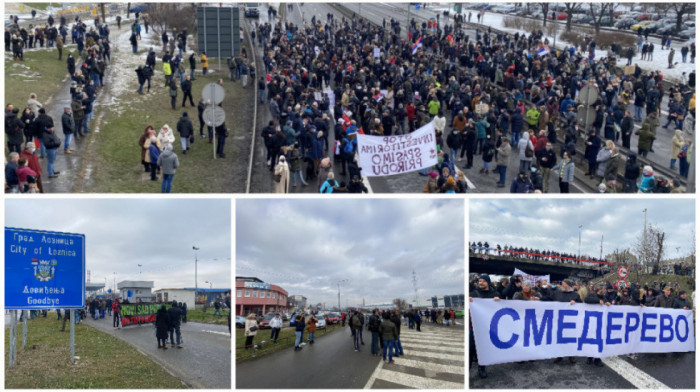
column 633, row 374
column 216, row 332
column 441, row 343
column 435, row 355
column 431, row 347
column 418, row 382
column 374, row 375
column 429, row 366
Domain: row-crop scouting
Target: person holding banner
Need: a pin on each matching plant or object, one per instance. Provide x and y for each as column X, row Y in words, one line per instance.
column 483, row 290
column 564, row 293
column 596, row 297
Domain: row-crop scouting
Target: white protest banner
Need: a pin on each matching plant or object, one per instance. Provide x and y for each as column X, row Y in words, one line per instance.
column 511, row 331
column 389, row 155
column 533, row 279
column 377, row 52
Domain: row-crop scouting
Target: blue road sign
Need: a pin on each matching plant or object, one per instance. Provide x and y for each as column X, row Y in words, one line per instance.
column 417, row 7
column 44, row 269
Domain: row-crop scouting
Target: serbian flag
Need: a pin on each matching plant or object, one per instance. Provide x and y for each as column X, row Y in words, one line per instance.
column 378, row 97
column 417, row 45
column 360, row 131
column 450, row 38
column 543, row 50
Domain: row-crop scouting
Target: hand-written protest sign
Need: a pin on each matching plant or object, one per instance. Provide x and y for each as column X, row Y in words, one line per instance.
column 388, row 155
column 44, row 269
column 533, row 279
column 141, row 313
column 510, row 331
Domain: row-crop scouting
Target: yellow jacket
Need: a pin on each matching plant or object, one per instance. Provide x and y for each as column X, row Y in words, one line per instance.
column 204, row 60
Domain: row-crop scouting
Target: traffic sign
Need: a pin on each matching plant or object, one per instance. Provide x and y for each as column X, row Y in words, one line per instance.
column 417, row 7
column 44, row 269
column 215, row 116
column 621, row 284
column 622, row 272
column 213, row 93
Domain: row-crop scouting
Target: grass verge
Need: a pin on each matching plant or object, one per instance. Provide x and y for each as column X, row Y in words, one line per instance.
column 104, row 361
column 118, row 160
column 262, row 339
column 201, row 317
column 41, row 72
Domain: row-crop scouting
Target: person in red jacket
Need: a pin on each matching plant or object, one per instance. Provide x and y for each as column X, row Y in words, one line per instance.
column 33, row 162
column 117, row 312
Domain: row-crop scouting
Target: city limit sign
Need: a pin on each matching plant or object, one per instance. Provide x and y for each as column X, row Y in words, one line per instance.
column 44, row 269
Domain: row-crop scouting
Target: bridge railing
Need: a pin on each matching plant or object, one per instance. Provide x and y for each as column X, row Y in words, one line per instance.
column 535, row 256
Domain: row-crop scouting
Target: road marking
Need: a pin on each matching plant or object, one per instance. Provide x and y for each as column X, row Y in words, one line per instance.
column 445, row 349
column 436, row 355
column 216, row 332
column 439, row 343
column 430, row 366
column 374, row 375
column 418, row 382
column 633, row 374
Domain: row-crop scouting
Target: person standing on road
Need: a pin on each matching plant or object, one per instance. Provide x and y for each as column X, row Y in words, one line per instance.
column 564, row 293
column 162, row 327
column 418, row 318
column 389, row 334
column 68, row 129
column 565, row 170
column 374, row 324
column 117, row 314
column 275, row 327
column 312, row 328
column 52, row 143
column 355, row 325
column 299, row 324
column 174, row 318
column 396, row 319
column 282, row 170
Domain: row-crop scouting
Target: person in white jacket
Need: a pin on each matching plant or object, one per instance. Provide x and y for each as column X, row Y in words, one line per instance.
column 439, row 124
column 276, row 326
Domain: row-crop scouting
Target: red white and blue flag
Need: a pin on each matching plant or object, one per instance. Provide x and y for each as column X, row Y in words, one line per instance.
column 417, row 45
column 544, row 50
column 378, row 97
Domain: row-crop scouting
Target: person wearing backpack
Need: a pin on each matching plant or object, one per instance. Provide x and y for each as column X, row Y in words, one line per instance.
column 347, row 151
column 329, row 184
column 373, row 326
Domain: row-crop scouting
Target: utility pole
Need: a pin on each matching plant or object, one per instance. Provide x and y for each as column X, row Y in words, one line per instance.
column 601, row 247
column 415, row 289
column 579, row 242
column 140, row 265
column 195, row 275
column 339, row 282
column 644, row 242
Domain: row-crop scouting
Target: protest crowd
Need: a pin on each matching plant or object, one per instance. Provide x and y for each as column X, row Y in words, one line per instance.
column 650, row 294
column 532, row 254
column 492, row 96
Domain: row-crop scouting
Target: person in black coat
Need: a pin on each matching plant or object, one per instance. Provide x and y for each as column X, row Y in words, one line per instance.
column 187, row 91
column 186, row 131
column 627, row 127
column 483, row 290
column 174, row 315
column 593, row 143
column 632, row 171
column 564, row 294
column 162, row 327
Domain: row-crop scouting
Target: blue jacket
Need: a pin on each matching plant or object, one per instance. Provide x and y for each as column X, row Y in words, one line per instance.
column 154, row 152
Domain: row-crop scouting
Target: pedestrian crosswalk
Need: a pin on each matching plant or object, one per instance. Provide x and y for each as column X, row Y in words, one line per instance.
column 433, row 359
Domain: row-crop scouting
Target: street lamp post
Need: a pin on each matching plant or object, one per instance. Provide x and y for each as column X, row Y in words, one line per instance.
column 339, row 282
column 195, row 275
column 210, row 283
column 579, row 242
column 140, row 265
column 644, row 242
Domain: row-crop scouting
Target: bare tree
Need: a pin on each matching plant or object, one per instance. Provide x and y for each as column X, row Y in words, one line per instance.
column 681, row 10
column 168, row 16
column 650, row 248
column 400, row 303
column 570, row 9
column 598, row 10
column 545, row 11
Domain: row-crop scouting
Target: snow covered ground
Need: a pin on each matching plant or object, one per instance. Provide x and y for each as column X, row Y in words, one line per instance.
column 660, row 61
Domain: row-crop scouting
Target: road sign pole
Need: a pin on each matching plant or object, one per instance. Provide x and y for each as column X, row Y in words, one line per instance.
column 213, row 132
column 13, row 340
column 72, row 336
column 24, row 333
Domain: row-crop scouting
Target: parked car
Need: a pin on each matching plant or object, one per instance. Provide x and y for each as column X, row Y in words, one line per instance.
column 624, row 24
column 240, row 322
column 687, row 34
column 582, row 19
column 252, row 13
column 321, row 322
column 641, row 25
column 291, row 319
column 559, row 15
column 265, row 322
column 333, row 318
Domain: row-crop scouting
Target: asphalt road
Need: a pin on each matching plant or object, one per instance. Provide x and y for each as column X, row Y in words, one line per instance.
column 433, row 358
column 203, row 362
column 648, row 371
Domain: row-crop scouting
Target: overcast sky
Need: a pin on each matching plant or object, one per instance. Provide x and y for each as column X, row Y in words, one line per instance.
column 157, row 233
column 307, row 246
column 553, row 224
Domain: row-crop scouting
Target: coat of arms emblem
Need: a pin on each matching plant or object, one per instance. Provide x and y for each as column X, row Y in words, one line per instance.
column 44, row 269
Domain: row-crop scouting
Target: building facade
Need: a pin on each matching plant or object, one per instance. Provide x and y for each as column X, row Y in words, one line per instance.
column 179, row 295
column 255, row 296
column 297, row 301
column 136, row 291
